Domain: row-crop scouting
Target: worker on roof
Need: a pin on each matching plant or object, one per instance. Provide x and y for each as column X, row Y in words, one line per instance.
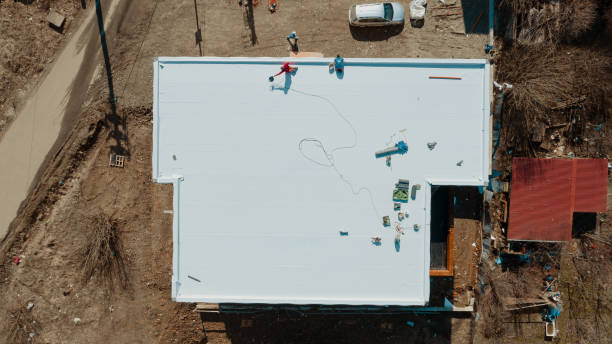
column 339, row 63
column 286, row 68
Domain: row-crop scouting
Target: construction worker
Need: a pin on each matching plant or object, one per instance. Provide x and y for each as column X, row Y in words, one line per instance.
column 286, row 68
column 339, row 64
column 293, row 41
column 272, row 5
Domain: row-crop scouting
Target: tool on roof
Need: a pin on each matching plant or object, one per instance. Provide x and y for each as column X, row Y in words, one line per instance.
column 400, row 195
column 386, row 221
column 398, row 148
column 399, row 231
column 414, row 191
column 445, row 77
column 402, row 184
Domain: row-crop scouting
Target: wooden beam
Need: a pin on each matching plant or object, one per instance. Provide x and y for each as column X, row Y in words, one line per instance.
column 450, row 261
column 207, row 308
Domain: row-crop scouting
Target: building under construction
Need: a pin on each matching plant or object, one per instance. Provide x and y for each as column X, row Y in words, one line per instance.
column 318, row 187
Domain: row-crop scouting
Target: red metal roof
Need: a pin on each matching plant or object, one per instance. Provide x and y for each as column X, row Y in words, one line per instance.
column 546, row 193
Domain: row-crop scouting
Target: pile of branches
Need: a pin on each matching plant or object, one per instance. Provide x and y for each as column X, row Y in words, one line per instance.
column 586, row 293
column 554, row 22
column 577, row 17
column 544, row 78
column 522, row 6
column 102, row 256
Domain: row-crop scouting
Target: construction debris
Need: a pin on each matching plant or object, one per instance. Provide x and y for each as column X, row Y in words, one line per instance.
column 116, row 160
column 56, row 20
column 417, row 12
column 398, row 148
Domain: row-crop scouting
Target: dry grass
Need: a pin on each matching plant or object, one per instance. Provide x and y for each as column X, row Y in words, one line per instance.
column 491, row 310
column 586, row 293
column 543, row 78
column 102, row 257
column 19, row 326
column 521, row 6
column 548, row 22
column 576, row 18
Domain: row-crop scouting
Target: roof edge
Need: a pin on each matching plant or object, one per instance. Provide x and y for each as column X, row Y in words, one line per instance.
column 482, row 63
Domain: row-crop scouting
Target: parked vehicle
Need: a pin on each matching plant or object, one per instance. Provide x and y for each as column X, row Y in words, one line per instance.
column 381, row 14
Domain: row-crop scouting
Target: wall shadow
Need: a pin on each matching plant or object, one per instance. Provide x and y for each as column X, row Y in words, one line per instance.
column 467, row 203
column 472, row 10
column 282, row 327
column 439, row 227
column 375, row 33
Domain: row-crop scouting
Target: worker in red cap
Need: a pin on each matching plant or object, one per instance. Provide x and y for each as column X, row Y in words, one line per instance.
column 286, row 68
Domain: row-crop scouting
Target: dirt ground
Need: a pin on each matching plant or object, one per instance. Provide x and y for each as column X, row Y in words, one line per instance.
column 78, row 183
column 27, row 46
column 466, row 259
column 580, row 269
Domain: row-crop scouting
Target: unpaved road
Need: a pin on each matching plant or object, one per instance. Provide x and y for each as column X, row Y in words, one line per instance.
column 33, row 133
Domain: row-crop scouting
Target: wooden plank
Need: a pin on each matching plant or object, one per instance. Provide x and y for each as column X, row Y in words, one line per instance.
column 306, row 54
column 512, row 303
column 207, row 308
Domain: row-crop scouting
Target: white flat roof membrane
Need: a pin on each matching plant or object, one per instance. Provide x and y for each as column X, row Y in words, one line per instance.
column 267, row 174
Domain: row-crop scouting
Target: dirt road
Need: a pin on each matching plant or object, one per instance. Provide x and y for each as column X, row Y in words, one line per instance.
column 28, row 141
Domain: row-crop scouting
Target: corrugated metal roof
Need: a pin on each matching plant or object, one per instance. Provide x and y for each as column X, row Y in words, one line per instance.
column 591, row 185
column 546, row 193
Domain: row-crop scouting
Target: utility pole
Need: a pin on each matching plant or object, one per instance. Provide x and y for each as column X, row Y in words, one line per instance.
column 198, row 33
column 111, row 93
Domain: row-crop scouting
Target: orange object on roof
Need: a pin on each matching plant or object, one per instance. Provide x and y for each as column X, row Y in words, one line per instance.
column 546, row 193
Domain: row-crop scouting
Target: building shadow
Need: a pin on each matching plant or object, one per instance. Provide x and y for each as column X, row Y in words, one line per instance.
column 475, row 16
column 281, row 327
column 375, row 33
column 440, row 290
column 467, row 203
